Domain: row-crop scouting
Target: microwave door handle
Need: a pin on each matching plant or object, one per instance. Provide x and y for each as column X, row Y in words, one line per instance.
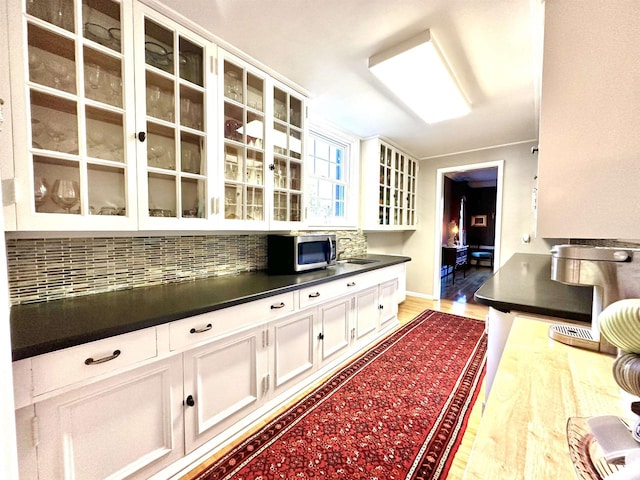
column 330, row 250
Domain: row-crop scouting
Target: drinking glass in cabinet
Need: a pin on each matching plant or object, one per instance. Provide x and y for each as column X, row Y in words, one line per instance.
column 190, row 160
column 280, row 206
column 190, row 113
column 37, row 129
column 255, row 89
column 65, row 194
column 295, row 112
column 296, row 176
column 280, row 174
column 232, row 202
column 255, row 167
column 190, row 65
column 62, row 73
column 232, row 83
column 232, row 165
column 40, row 190
column 296, row 208
column 280, row 110
column 254, row 130
column 254, row 203
column 51, row 59
column 192, row 197
column 57, row 12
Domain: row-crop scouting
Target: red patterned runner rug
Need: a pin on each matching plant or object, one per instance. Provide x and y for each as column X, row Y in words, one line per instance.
column 398, row 411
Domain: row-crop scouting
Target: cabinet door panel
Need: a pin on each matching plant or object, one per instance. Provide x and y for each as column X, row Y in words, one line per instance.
column 334, row 322
column 388, row 301
column 366, row 313
column 127, row 425
column 222, row 378
column 293, row 349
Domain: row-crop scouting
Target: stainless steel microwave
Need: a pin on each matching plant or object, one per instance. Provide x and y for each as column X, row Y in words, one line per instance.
column 297, row 253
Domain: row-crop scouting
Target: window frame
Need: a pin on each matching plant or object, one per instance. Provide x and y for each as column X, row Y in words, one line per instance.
column 351, row 143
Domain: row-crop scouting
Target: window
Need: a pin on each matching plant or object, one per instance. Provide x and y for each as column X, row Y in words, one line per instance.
column 329, row 188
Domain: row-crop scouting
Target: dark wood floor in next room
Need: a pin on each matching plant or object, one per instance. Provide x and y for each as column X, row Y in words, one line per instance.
column 466, row 285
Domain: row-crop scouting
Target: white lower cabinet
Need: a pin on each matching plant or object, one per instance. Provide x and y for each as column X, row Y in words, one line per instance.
column 203, row 388
column 130, row 423
column 366, row 313
column 223, row 383
column 335, row 330
column 389, row 303
column 292, row 350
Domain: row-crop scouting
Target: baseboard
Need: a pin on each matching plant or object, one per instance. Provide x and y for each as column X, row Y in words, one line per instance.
column 419, row 295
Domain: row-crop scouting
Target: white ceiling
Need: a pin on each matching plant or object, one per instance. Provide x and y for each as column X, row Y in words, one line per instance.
column 323, row 46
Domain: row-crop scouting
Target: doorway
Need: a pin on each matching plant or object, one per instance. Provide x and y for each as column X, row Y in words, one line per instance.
column 464, row 216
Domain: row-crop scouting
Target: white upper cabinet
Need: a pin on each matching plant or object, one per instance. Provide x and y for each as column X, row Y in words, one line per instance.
column 262, row 142
column 175, row 124
column 388, row 187
column 122, row 122
column 243, row 100
column 112, row 100
column 74, row 156
column 589, row 126
column 288, row 141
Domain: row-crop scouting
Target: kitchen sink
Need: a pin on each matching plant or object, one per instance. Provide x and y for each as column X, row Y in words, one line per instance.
column 360, row 261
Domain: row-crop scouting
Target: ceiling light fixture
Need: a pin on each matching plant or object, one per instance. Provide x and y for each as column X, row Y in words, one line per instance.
column 419, row 75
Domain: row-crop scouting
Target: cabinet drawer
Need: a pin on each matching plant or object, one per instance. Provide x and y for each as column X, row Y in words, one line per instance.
column 210, row 325
column 71, row 365
column 326, row 291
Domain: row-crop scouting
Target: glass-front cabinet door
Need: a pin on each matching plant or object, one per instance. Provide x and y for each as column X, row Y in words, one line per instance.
column 384, row 186
column 76, row 171
column 389, row 187
column 112, row 100
column 173, row 119
column 243, row 104
column 288, row 140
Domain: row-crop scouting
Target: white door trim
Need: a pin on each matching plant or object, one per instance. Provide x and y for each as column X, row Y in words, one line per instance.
column 440, row 174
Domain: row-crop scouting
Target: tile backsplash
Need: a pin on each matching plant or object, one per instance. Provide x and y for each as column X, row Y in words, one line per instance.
column 55, row 268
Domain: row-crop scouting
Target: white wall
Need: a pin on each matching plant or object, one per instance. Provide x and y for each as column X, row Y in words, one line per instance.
column 520, row 168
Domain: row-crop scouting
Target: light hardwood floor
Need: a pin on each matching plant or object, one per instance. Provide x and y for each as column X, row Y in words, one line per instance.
column 407, row 311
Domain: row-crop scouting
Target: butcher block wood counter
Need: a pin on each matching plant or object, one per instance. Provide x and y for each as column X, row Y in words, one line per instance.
column 540, row 383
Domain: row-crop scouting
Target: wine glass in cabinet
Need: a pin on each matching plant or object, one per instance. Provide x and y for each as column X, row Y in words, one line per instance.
column 71, row 109
column 174, row 117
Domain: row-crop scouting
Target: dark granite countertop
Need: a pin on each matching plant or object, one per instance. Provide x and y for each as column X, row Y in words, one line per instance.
column 524, row 284
column 39, row 328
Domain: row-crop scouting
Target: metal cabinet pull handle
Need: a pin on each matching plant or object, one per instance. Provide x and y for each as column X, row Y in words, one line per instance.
column 201, row 330
column 351, row 284
column 277, row 305
column 314, row 295
column 91, row 361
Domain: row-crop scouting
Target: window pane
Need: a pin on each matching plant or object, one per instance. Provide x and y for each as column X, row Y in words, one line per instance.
column 322, row 169
column 322, row 150
column 327, row 178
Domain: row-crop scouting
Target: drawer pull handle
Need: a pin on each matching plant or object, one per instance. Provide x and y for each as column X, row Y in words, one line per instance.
column 277, row 305
column 91, row 361
column 314, row 295
column 351, row 284
column 201, row 330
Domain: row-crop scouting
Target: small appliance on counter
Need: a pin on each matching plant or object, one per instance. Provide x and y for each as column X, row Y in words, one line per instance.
column 614, row 274
column 298, row 253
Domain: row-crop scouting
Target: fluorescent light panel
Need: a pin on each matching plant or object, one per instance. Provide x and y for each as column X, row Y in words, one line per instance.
column 417, row 73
